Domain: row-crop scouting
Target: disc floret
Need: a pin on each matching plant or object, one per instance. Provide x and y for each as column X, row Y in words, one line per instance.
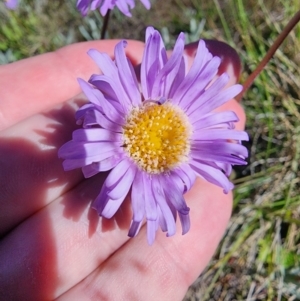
column 157, row 137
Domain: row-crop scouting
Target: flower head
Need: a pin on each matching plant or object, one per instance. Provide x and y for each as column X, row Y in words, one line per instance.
column 156, row 137
column 123, row 5
column 11, row 4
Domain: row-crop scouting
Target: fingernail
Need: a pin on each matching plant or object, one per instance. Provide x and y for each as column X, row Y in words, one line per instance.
column 230, row 60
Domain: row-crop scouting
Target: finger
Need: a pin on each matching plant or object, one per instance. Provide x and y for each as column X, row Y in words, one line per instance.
column 31, row 174
column 60, row 245
column 35, row 84
column 165, row 270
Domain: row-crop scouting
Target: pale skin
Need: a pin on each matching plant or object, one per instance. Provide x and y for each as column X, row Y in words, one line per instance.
column 54, row 246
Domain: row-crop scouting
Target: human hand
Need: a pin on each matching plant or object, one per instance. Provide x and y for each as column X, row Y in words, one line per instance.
column 54, row 246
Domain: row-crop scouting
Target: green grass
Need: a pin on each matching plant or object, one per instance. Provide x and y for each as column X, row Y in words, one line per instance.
column 258, row 259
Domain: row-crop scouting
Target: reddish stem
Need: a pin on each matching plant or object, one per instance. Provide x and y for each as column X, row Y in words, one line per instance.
column 293, row 22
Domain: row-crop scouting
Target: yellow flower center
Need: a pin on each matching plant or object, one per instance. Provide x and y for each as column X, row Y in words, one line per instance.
column 157, row 137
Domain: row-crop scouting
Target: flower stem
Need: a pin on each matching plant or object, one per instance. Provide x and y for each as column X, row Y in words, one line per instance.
column 105, row 25
column 293, row 22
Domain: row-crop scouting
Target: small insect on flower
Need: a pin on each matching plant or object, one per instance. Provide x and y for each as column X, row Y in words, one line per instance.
column 105, row 5
column 156, row 137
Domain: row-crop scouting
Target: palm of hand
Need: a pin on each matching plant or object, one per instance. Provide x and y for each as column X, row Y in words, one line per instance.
column 54, row 246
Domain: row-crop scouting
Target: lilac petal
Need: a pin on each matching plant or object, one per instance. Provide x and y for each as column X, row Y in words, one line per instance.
column 162, row 53
column 90, row 170
column 94, row 117
column 106, row 5
column 101, row 103
column 151, row 231
column 111, row 89
column 212, row 175
column 219, row 151
column 11, row 4
column 150, row 64
column 104, row 62
column 131, row 3
column 117, row 173
column 216, row 119
column 111, row 207
column 219, row 99
column 83, row 7
column 217, row 156
column 69, row 164
column 101, row 200
column 80, row 113
column 211, row 92
column 108, row 86
column 89, row 92
column 201, row 58
column 117, row 184
column 96, row 134
column 125, row 74
column 200, row 84
column 77, row 150
column 166, row 76
column 227, row 168
column 149, row 32
column 96, row 3
column 165, row 209
column 176, row 180
column 216, row 134
column 133, row 72
column 123, row 7
column 178, row 79
column 173, row 209
column 150, row 204
column 174, row 195
column 134, row 228
column 146, row 3
column 124, row 184
column 162, row 220
column 137, row 198
column 105, row 165
column 185, row 222
column 104, row 103
column 187, row 175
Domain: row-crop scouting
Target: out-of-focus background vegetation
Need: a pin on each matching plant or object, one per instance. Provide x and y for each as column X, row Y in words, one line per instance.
column 259, row 257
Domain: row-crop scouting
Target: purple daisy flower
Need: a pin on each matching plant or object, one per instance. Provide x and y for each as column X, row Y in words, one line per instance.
column 156, row 137
column 11, row 4
column 123, row 5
